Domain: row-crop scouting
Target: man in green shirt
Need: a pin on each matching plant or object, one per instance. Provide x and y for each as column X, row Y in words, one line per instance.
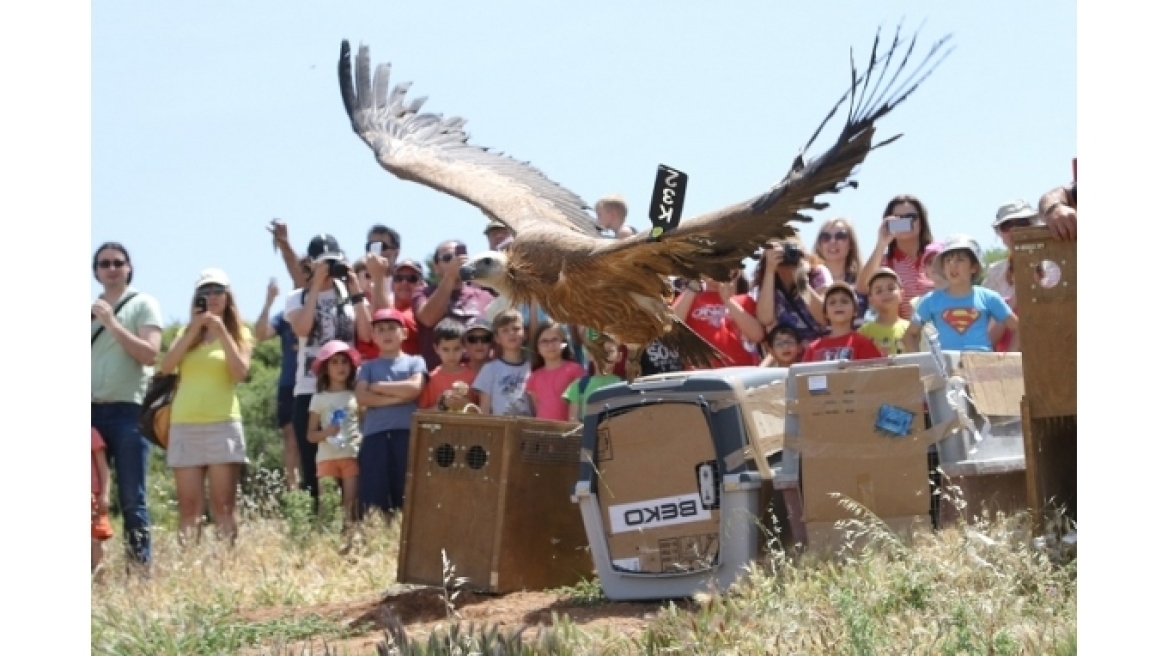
column 126, row 335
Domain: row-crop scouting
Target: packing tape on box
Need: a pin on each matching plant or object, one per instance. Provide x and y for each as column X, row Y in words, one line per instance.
column 875, row 448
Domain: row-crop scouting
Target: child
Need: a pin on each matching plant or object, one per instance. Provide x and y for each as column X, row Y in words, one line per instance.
column 610, row 371
column 927, row 260
column 840, row 307
column 782, row 344
column 99, row 523
column 478, row 339
column 553, row 370
column 440, row 392
column 887, row 329
column 333, row 421
column 960, row 312
column 388, row 388
column 502, row 382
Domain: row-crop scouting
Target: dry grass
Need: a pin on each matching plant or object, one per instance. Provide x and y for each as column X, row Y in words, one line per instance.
column 975, row 589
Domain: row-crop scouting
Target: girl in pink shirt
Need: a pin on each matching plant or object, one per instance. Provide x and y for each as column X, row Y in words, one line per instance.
column 552, row 370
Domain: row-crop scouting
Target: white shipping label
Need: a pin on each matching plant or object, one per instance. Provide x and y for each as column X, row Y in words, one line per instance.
column 652, row 513
column 627, row 564
column 816, row 384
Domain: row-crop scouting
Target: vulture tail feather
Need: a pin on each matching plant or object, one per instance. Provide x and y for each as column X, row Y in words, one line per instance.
column 694, row 350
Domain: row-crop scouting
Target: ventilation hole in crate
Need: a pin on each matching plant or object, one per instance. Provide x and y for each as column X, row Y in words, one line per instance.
column 476, row 457
column 1048, row 274
column 444, row 455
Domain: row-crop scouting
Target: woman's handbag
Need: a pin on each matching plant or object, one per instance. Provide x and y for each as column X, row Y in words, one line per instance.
column 154, row 422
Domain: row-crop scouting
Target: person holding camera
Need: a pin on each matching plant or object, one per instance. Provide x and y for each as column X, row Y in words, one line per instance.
column 787, row 289
column 901, row 242
column 330, row 306
column 211, row 354
column 721, row 317
column 449, row 299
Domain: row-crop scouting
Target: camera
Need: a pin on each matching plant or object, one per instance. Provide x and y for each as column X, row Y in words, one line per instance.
column 201, row 303
column 792, row 254
column 900, row 225
column 338, row 270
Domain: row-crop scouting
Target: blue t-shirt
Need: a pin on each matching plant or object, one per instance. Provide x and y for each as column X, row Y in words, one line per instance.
column 288, row 345
column 962, row 323
column 383, row 370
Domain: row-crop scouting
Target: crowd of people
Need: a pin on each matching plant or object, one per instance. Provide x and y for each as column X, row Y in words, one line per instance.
column 368, row 341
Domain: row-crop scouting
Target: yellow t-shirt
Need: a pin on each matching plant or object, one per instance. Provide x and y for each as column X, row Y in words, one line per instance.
column 889, row 339
column 206, row 391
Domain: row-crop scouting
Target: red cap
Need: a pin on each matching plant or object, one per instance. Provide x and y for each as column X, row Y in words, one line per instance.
column 389, row 314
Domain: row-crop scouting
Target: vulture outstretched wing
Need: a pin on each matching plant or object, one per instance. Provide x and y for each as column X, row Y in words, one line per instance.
column 715, row 243
column 432, row 150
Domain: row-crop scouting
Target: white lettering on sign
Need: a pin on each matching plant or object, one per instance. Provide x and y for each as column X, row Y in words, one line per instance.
column 652, row 513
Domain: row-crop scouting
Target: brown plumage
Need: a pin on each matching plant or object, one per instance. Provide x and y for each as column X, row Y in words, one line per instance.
column 558, row 258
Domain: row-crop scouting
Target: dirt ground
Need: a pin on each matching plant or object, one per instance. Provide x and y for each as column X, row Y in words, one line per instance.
column 422, row 609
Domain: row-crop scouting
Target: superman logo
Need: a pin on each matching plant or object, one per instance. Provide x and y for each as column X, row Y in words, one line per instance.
column 960, row 319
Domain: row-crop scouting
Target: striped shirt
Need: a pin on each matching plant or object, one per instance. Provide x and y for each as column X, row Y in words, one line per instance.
column 914, row 279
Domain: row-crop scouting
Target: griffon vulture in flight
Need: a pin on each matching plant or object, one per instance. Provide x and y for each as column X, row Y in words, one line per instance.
column 558, row 258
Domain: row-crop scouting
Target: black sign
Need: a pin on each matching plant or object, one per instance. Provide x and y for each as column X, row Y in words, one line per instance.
column 667, row 201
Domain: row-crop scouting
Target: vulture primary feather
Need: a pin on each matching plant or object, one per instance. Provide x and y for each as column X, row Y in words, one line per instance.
column 558, row 257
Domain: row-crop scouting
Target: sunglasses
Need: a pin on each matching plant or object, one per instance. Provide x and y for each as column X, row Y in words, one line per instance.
column 478, row 339
column 1011, row 225
column 406, row 277
column 106, row 264
column 212, row 290
column 909, row 215
column 825, row 237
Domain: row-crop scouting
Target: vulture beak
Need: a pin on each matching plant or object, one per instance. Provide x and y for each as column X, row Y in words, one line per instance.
column 466, row 272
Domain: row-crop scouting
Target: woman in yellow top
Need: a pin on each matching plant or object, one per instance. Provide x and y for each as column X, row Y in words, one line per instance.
column 211, row 354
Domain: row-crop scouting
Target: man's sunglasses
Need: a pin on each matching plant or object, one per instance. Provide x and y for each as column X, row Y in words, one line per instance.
column 478, row 339
column 105, row 264
column 1013, row 225
column 825, row 237
column 406, row 277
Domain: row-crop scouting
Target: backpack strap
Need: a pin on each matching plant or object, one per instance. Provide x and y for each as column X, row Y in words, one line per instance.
column 129, row 297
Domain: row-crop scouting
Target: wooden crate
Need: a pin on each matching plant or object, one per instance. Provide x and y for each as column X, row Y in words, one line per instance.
column 495, row 494
column 1048, row 321
column 1051, row 463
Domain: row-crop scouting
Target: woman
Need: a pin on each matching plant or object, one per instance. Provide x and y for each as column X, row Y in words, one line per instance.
column 211, row 355
column 837, row 246
column 788, row 289
column 901, row 241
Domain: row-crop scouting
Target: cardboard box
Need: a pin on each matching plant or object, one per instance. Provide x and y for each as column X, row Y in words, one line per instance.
column 862, row 435
column 826, row 536
column 659, row 497
column 995, row 382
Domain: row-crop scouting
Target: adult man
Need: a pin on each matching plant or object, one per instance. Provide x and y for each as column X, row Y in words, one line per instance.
column 450, row 298
column 330, row 306
column 1059, row 209
column 126, row 336
column 496, row 233
column 1012, row 215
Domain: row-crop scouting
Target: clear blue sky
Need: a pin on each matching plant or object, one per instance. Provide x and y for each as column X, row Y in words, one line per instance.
column 209, row 119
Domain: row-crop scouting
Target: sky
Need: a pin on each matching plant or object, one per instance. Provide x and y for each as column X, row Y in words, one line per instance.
column 210, row 119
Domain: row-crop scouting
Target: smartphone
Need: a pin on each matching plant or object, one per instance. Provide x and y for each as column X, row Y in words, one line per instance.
column 201, row 304
column 375, row 248
column 899, row 226
column 460, row 249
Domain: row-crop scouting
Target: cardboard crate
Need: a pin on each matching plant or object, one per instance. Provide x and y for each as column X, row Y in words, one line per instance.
column 862, row 435
column 496, row 494
column 828, row 537
column 1048, row 320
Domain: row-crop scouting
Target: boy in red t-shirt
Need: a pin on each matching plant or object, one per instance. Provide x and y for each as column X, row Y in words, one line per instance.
column 840, row 306
column 99, row 523
column 723, row 319
column 440, row 391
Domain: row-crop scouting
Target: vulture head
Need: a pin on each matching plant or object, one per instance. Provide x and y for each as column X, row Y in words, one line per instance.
column 488, row 269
